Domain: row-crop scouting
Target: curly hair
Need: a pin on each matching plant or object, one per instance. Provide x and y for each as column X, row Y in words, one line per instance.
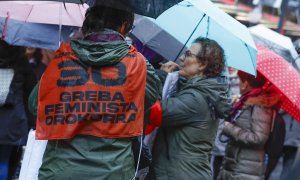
column 211, row 54
column 99, row 17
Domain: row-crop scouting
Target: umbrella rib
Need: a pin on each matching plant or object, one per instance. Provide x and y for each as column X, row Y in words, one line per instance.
column 29, row 13
column 207, row 28
column 65, row 7
column 189, row 37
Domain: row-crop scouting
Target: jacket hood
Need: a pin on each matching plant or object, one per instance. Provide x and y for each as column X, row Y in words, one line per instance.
column 215, row 90
column 101, row 52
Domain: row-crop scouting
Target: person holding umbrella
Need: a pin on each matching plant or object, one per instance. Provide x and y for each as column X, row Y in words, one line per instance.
column 90, row 103
column 188, row 120
column 248, row 129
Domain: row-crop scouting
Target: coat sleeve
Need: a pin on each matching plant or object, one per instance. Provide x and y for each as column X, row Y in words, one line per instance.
column 181, row 110
column 259, row 132
column 153, row 87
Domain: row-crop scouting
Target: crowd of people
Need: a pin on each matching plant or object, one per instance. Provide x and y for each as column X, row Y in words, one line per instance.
column 97, row 95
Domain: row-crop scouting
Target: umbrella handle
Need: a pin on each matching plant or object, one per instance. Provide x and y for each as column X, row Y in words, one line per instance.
column 190, row 37
column 5, row 26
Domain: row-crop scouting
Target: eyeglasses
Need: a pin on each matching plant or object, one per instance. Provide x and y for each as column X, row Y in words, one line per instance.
column 188, row 53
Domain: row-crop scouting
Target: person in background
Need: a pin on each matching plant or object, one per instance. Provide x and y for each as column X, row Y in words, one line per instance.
column 48, row 55
column 16, row 82
column 291, row 144
column 188, row 121
column 219, row 146
column 248, row 129
column 290, row 165
column 35, row 56
column 115, row 85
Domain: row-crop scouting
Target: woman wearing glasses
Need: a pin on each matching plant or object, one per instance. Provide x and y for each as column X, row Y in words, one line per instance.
column 188, row 121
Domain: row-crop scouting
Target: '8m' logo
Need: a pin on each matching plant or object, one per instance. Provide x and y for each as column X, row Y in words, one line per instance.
column 75, row 73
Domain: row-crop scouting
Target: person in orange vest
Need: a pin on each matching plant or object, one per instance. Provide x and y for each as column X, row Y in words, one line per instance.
column 91, row 100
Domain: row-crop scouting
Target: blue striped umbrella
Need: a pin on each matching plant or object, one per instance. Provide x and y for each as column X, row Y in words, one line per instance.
column 36, row 35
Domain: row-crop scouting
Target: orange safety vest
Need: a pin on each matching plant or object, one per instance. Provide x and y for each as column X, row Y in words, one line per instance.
column 75, row 98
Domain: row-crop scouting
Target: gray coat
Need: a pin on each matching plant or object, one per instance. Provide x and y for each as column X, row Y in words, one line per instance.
column 183, row 145
column 292, row 136
column 245, row 154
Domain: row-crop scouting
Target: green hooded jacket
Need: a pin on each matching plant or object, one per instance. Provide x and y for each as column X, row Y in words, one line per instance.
column 183, row 145
column 88, row 157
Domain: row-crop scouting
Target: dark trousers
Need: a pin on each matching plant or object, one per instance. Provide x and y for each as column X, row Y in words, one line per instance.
column 14, row 161
column 5, row 153
column 10, row 157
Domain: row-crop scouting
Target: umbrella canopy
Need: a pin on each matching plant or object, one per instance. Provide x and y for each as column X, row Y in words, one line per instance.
column 279, row 43
column 25, row 23
column 154, row 37
column 46, row 12
column 283, row 76
column 178, row 26
column 36, row 35
column 150, row 8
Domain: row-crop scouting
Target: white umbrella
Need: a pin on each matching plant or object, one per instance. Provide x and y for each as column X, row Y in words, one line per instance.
column 277, row 40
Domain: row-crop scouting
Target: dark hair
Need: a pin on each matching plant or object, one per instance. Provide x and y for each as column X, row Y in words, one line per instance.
column 255, row 82
column 37, row 55
column 211, row 54
column 10, row 55
column 99, row 17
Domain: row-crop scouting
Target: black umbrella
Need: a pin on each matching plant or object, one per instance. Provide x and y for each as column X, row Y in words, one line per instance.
column 150, row 8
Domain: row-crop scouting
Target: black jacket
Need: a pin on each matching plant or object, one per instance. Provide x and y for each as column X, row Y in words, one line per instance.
column 14, row 115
